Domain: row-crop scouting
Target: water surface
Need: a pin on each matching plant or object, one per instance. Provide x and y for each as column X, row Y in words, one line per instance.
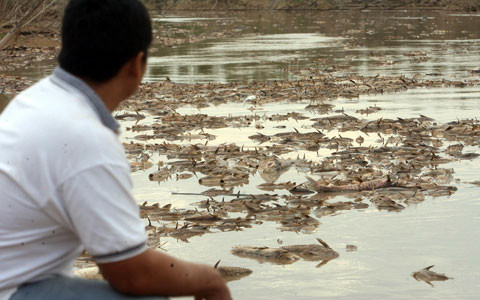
column 391, row 245
column 394, row 43
column 440, row 231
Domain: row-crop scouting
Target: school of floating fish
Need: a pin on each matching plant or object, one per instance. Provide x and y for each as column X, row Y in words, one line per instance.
column 402, row 168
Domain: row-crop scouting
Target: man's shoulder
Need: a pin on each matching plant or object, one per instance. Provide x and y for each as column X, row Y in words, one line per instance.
column 52, row 97
column 57, row 112
column 60, row 123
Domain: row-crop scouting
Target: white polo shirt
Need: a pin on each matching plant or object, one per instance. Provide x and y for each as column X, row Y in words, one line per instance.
column 64, row 184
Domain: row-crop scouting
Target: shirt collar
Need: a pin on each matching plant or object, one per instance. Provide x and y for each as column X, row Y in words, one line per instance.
column 95, row 101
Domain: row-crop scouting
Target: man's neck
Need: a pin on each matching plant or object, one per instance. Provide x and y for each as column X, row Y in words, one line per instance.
column 109, row 92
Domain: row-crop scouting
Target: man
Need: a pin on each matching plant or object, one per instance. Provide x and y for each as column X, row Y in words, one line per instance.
column 64, row 179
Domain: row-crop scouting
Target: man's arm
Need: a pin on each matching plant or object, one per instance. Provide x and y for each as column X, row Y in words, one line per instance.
column 102, row 212
column 156, row 273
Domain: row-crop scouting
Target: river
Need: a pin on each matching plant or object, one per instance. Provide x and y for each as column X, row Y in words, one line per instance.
column 442, row 231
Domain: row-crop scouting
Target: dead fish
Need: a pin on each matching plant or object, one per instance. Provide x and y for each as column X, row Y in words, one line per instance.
column 299, row 189
column 363, row 186
column 130, row 116
column 140, row 165
column 274, row 164
column 154, row 209
column 162, row 174
column 203, row 218
column 313, row 252
column 260, row 137
column 351, row 248
column 276, row 186
column 183, row 176
column 187, row 232
column 232, row 273
column 273, row 255
column 360, row 140
column 387, row 204
column 303, row 223
column 476, row 182
column 217, row 192
column 272, row 167
column 368, row 110
column 454, row 149
column 427, row 276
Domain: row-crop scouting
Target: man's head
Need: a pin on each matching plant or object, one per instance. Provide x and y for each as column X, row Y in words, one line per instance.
column 100, row 36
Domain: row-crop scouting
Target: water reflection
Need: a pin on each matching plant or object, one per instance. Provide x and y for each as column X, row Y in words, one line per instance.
column 235, row 59
column 276, row 44
column 369, row 43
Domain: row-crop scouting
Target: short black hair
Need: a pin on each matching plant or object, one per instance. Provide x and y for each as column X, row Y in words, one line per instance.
column 100, row 36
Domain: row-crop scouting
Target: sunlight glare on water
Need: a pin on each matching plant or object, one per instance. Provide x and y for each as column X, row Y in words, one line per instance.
column 223, row 59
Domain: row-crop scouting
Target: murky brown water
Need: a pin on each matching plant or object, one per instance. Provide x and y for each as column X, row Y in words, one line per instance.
column 437, row 44
column 441, row 231
column 3, row 101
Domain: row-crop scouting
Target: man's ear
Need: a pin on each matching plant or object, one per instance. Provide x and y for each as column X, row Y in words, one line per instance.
column 131, row 74
column 137, row 66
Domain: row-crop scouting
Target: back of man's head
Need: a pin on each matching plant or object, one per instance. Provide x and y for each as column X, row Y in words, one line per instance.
column 100, row 36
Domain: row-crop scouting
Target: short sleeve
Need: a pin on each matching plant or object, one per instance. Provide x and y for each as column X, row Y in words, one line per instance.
column 104, row 214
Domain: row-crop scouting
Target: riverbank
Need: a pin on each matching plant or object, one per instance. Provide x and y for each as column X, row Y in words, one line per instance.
column 453, row 5
column 41, row 40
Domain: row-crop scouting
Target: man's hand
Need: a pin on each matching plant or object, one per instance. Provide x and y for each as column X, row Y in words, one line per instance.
column 155, row 273
column 220, row 293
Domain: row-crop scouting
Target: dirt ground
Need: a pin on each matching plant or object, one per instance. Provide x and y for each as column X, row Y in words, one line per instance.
column 36, row 42
column 458, row 5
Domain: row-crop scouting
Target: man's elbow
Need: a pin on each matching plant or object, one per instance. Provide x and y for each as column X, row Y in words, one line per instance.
column 127, row 284
column 128, row 276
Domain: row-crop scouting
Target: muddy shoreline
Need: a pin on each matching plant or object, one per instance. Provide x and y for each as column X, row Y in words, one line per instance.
column 41, row 41
column 453, row 5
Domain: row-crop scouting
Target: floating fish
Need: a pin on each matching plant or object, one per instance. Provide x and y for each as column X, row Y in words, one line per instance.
column 427, row 276
column 313, row 252
column 232, row 273
column 363, row 186
column 272, row 255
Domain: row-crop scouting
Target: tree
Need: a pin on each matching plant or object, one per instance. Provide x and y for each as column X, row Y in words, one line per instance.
column 16, row 14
